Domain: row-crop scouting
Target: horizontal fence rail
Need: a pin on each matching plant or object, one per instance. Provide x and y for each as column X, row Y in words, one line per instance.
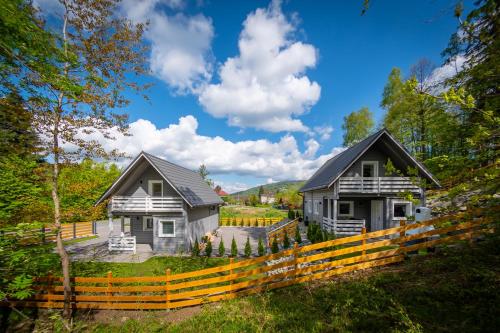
column 48, row 233
column 278, row 231
column 377, row 185
column 248, row 221
column 250, row 276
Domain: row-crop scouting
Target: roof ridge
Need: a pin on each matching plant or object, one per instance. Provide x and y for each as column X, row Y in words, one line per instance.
column 164, row 160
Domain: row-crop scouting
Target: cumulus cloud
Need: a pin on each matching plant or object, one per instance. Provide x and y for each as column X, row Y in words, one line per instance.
column 440, row 74
column 324, row 132
column 181, row 144
column 180, row 44
column 264, row 86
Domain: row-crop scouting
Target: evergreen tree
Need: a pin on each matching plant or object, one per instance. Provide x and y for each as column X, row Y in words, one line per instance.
column 222, row 249
column 248, row 248
column 286, row 241
column 298, row 237
column 234, row 248
column 261, row 249
column 208, row 248
column 196, row 248
column 274, row 246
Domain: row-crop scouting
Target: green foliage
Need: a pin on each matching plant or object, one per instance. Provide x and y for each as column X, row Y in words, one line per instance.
column 222, row 248
column 261, row 250
column 203, row 171
column 286, row 241
column 357, row 126
column 291, row 214
column 274, row 246
column 298, row 237
column 253, row 200
column 248, row 248
column 234, row 248
column 196, row 248
column 208, row 248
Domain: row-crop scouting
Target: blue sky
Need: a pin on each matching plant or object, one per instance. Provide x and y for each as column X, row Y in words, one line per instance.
column 305, row 64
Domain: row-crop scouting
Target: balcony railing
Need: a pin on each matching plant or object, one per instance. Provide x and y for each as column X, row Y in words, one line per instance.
column 146, row 204
column 343, row 227
column 377, row 185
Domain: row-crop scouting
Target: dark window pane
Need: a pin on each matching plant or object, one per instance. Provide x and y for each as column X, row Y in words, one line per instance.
column 344, row 209
column 168, row 227
column 368, row 170
column 399, row 210
column 157, row 190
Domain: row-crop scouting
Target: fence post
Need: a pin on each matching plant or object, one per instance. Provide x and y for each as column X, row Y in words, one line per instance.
column 363, row 242
column 110, row 285
column 295, row 257
column 49, row 290
column 167, row 277
column 231, row 260
column 402, row 234
column 74, row 230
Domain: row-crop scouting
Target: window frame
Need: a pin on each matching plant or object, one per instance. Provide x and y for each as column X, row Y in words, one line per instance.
column 150, row 187
column 316, row 207
column 145, row 223
column 375, row 168
column 351, row 208
column 160, row 228
column 409, row 208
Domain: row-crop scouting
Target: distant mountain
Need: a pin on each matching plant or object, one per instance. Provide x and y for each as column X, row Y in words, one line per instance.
column 271, row 188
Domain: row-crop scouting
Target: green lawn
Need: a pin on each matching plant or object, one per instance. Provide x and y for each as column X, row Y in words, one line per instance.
column 251, row 212
column 456, row 290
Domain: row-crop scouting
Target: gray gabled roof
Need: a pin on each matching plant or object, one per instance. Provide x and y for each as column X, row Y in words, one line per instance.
column 338, row 164
column 189, row 184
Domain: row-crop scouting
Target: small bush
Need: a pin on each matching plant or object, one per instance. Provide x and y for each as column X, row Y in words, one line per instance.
column 222, row 248
column 274, row 246
column 196, row 248
column 248, row 248
column 234, row 248
column 291, row 214
column 286, row 241
column 208, row 248
column 260, row 248
column 298, row 237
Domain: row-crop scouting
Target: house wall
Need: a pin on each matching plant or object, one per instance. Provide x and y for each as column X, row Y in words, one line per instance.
column 314, row 197
column 136, row 229
column 201, row 220
column 139, row 185
column 373, row 154
column 171, row 245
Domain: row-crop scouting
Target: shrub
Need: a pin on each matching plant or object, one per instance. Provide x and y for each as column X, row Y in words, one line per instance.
column 286, row 241
column 256, row 222
column 318, row 237
column 274, row 246
column 248, row 248
column 222, row 248
column 234, row 248
column 291, row 214
column 309, row 232
column 260, row 248
column 298, row 237
column 208, row 248
column 196, row 248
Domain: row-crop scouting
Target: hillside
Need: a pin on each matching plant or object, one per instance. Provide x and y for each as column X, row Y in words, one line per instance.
column 271, row 188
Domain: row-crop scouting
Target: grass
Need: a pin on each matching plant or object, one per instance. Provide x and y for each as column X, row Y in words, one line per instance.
column 251, row 212
column 456, row 290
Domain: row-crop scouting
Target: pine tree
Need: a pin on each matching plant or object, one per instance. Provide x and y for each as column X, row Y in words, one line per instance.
column 196, row 248
column 234, row 248
column 222, row 249
column 248, row 248
column 274, row 246
column 261, row 249
column 286, row 241
column 208, row 248
column 298, row 237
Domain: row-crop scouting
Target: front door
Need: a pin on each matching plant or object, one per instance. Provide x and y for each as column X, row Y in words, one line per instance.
column 377, row 215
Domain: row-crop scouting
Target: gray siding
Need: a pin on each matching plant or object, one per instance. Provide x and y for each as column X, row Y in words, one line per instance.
column 373, row 154
column 171, row 245
column 201, row 220
column 139, row 185
column 136, row 229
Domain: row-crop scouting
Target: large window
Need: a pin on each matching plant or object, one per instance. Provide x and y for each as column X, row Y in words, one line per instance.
column 317, row 203
column 369, row 168
column 345, row 209
column 166, row 228
column 156, row 188
column 147, row 223
column 308, row 204
column 401, row 209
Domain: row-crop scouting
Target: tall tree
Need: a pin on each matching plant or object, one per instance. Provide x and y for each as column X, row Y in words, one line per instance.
column 357, row 125
column 203, row 171
column 261, row 192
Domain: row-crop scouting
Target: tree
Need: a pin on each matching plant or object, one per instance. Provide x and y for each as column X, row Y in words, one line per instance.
column 357, row 125
column 261, row 192
column 100, row 54
column 208, row 248
column 260, row 248
column 234, row 248
column 202, row 170
column 298, row 237
column 286, row 241
column 274, row 246
column 248, row 248
column 253, row 200
column 196, row 248
column 222, row 248
column 217, row 189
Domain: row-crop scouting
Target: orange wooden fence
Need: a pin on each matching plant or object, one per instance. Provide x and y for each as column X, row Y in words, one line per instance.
column 239, row 278
column 47, row 233
column 289, row 228
column 248, row 221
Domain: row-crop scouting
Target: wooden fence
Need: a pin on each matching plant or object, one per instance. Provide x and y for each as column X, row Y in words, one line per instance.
column 240, row 278
column 279, row 231
column 48, row 233
column 248, row 221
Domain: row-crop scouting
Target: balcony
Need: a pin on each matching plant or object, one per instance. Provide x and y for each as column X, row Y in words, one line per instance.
column 377, row 185
column 146, row 204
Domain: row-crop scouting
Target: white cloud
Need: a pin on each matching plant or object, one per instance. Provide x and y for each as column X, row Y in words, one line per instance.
column 324, row 132
column 446, row 71
column 180, row 44
column 181, row 144
column 264, row 86
column 232, row 187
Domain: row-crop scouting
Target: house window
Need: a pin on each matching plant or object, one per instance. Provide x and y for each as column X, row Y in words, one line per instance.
column 345, row 208
column 155, row 188
column 316, row 206
column 166, row 228
column 308, row 204
column 369, row 168
column 401, row 210
column 147, row 223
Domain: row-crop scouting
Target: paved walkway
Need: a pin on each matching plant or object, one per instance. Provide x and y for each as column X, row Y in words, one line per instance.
column 240, row 236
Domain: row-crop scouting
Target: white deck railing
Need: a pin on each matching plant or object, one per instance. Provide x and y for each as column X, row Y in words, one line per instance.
column 146, row 204
column 377, row 185
column 119, row 243
column 343, row 227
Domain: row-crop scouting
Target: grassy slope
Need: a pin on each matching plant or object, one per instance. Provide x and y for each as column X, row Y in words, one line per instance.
column 457, row 290
column 270, row 188
column 249, row 211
